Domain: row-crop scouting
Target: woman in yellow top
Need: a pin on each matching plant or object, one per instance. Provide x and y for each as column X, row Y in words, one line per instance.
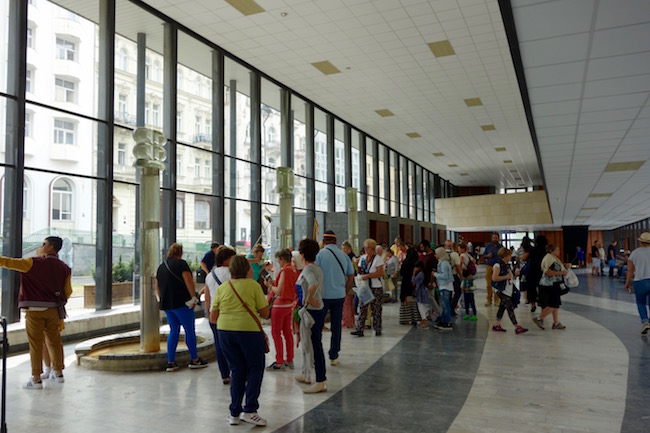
column 240, row 338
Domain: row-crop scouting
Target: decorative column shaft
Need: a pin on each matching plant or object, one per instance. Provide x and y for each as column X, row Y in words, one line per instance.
column 285, row 188
column 150, row 156
column 353, row 220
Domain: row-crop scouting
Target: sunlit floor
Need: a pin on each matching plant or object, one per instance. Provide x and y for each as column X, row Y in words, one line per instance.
column 591, row 377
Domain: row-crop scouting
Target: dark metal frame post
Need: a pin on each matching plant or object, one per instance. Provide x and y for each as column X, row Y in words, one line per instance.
column 218, row 146
column 256, row 156
column 232, row 193
column 105, row 134
column 12, row 244
column 363, row 178
column 310, row 168
column 168, row 218
column 331, row 166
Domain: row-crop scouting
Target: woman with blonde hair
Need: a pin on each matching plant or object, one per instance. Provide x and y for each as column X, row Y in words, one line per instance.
column 175, row 288
column 445, row 280
column 371, row 267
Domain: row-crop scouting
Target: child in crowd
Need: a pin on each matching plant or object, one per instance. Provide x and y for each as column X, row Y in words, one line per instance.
column 421, row 294
column 502, row 282
column 468, row 295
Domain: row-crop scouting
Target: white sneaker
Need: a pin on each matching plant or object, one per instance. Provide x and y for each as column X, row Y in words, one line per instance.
column 30, row 384
column 252, row 418
column 57, row 379
column 233, row 420
column 46, row 373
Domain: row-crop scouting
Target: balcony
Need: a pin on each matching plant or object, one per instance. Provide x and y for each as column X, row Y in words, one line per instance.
column 64, row 152
column 124, row 118
column 201, row 138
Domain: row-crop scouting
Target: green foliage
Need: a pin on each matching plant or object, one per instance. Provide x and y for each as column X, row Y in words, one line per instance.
column 194, row 264
column 123, row 271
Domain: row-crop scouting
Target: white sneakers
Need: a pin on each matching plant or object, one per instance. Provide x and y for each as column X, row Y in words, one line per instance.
column 252, row 418
column 30, row 384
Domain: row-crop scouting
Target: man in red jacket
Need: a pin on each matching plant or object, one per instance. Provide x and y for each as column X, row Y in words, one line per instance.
column 44, row 285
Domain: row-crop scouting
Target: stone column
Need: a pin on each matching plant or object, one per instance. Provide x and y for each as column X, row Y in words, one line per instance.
column 353, row 220
column 285, row 188
column 150, row 156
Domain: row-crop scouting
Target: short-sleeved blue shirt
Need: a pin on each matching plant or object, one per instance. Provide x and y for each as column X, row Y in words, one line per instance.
column 333, row 278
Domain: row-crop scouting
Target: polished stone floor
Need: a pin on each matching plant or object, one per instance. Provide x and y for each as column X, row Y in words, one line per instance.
column 594, row 376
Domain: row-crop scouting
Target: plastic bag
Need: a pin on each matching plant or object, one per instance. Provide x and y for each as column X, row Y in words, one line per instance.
column 363, row 290
column 571, row 279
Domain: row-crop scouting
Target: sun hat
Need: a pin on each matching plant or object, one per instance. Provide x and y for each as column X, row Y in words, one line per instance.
column 645, row 237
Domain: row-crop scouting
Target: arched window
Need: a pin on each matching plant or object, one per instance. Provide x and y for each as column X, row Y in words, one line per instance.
column 156, row 71
column 147, row 65
column 61, row 200
column 123, row 60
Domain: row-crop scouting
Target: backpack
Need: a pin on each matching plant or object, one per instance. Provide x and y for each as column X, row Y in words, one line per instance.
column 471, row 267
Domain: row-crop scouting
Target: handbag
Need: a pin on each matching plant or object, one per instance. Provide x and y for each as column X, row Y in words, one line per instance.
column 266, row 337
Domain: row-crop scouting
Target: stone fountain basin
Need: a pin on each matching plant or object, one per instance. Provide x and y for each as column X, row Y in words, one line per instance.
column 121, row 352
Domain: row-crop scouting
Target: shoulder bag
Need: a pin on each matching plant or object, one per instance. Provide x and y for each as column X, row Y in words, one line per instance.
column 254, row 316
column 349, row 283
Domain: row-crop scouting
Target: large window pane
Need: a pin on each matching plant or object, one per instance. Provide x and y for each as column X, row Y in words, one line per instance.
column 237, row 80
column 356, row 167
column 320, row 145
column 371, row 177
column 194, row 92
column 393, row 183
column 195, row 174
column 269, row 186
column 237, row 179
column 62, row 142
column 321, row 196
column 299, row 136
column 65, row 77
column 300, row 192
column 271, row 125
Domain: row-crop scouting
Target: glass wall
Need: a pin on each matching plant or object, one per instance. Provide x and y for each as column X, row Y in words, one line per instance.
column 178, row 92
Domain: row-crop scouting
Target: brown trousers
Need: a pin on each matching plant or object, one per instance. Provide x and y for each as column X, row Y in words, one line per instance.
column 491, row 293
column 40, row 325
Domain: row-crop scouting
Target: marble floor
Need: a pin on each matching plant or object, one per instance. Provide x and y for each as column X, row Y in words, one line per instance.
column 594, row 376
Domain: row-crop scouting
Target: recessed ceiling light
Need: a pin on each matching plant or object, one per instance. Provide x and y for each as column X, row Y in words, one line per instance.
column 347, row 68
column 473, row 181
column 514, row 171
column 589, row 208
column 442, row 154
column 441, row 48
column 453, row 165
column 283, row 14
column 246, row 7
column 518, row 178
column 488, row 127
column 507, row 161
column 384, row 112
column 413, row 134
column 624, row 166
column 464, row 174
column 600, row 195
column 326, row 67
column 500, row 149
column 473, row 102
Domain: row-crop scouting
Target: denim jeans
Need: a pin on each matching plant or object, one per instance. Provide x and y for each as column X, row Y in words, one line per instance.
column 642, row 294
column 335, row 306
column 317, row 343
column 244, row 351
column 177, row 317
column 224, row 369
column 445, row 298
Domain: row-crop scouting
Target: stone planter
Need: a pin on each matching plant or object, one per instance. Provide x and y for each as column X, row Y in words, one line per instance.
column 122, row 294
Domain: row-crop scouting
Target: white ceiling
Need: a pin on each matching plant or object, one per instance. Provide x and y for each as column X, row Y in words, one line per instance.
column 586, row 63
column 587, row 67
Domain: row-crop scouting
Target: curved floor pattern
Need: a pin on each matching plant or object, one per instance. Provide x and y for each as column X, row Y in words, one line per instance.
column 592, row 377
column 548, row 381
column 419, row 385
